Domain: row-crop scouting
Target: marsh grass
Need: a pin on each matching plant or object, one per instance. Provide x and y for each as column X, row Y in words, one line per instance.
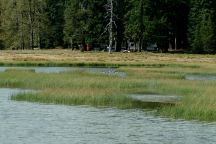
column 98, row 100
column 19, row 70
column 83, row 88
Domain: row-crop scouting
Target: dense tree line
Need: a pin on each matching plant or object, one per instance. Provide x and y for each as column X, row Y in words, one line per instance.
column 177, row 24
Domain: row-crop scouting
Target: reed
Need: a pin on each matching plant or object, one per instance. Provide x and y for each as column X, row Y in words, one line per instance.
column 83, row 88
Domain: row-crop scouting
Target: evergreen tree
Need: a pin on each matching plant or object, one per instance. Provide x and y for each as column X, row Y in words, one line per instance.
column 1, row 29
column 135, row 21
column 169, row 22
column 76, row 15
column 10, row 24
column 53, row 37
column 120, row 12
column 27, row 24
column 202, row 26
column 22, row 23
column 159, row 21
column 84, row 21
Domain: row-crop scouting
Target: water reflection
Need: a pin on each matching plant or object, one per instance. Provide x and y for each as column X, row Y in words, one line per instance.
column 156, row 98
column 24, row 123
column 201, row 77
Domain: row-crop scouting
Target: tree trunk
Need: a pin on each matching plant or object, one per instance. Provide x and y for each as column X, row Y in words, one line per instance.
column 31, row 31
column 39, row 36
column 22, row 42
column 111, row 27
column 141, row 20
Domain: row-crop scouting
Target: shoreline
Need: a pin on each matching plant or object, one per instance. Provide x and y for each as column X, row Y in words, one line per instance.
column 83, row 88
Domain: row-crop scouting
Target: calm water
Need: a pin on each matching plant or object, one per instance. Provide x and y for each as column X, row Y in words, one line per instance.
column 201, row 77
column 107, row 71
column 27, row 123
column 155, row 98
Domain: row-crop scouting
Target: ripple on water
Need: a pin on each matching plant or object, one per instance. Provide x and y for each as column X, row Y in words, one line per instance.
column 22, row 122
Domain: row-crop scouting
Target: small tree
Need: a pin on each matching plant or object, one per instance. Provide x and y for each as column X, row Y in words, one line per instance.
column 207, row 32
column 135, row 22
column 203, row 39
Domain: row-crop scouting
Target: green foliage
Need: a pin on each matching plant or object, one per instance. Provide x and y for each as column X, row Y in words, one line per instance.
column 54, row 13
column 84, row 21
column 157, row 21
column 28, row 24
column 202, row 26
column 22, row 23
column 1, row 29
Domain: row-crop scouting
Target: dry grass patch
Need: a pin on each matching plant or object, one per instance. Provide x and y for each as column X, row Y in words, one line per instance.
column 68, row 56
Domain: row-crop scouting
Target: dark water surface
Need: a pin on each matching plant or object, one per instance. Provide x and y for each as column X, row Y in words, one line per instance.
column 28, row 123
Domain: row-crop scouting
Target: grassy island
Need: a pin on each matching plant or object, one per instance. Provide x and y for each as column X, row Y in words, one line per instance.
column 147, row 73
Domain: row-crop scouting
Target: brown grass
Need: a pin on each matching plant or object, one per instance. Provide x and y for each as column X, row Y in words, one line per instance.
column 68, row 56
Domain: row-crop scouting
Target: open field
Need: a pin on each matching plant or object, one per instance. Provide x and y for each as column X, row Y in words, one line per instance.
column 157, row 73
column 68, row 57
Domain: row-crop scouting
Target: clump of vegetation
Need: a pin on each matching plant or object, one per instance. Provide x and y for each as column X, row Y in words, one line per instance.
column 83, row 88
column 19, row 70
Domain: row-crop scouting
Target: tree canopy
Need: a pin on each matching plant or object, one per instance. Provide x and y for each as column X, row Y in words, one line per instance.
column 176, row 24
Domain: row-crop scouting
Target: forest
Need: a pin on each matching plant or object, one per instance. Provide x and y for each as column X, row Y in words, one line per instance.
column 176, row 24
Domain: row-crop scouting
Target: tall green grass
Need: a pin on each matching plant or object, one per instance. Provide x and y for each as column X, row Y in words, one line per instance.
column 83, row 88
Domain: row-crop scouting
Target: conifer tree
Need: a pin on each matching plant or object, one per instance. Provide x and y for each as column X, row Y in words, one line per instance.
column 202, row 26
column 84, row 22
column 1, row 29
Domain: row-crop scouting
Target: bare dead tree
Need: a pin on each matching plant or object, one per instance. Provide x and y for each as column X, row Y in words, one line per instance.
column 109, row 27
